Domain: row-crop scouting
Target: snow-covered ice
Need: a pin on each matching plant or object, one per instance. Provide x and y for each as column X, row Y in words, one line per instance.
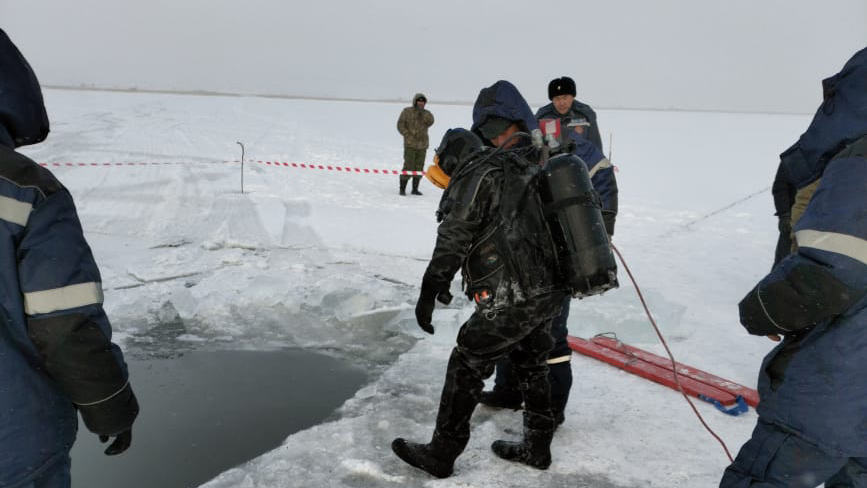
column 332, row 261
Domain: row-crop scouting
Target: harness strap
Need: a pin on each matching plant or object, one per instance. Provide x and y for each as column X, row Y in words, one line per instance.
column 590, row 199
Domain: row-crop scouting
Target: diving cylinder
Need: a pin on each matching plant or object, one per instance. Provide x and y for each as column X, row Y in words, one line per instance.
column 573, row 210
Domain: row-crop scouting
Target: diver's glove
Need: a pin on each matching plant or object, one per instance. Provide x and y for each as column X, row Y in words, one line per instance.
column 425, row 306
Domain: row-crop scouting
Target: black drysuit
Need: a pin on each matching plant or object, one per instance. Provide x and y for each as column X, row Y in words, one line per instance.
column 493, row 228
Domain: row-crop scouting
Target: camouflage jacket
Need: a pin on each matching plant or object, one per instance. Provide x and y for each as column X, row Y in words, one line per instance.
column 413, row 124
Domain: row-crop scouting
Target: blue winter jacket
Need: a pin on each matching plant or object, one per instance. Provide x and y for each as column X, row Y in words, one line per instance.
column 601, row 175
column 55, row 348
column 578, row 110
column 502, row 99
column 813, row 382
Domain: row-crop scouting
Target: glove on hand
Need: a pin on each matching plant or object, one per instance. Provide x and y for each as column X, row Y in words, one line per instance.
column 112, row 418
column 798, row 295
column 754, row 316
column 784, row 223
column 608, row 218
column 425, row 306
column 121, row 442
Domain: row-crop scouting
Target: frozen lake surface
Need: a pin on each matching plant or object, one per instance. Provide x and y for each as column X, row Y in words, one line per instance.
column 332, row 261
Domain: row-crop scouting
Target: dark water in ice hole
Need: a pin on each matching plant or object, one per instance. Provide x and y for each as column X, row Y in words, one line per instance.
column 204, row 412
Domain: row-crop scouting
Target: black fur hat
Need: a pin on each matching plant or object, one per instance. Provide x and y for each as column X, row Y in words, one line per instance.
column 561, row 86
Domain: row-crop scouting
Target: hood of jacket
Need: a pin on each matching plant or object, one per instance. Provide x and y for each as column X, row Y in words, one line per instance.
column 840, row 120
column 416, row 97
column 23, row 119
column 502, row 99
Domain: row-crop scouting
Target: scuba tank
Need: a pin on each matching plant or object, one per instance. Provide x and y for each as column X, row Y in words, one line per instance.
column 573, row 212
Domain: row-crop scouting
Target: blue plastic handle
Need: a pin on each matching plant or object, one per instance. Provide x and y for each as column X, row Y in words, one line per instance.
column 739, row 408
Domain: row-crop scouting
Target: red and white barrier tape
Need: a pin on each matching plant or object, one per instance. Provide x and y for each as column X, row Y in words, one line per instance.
column 146, row 163
column 326, row 167
column 345, row 169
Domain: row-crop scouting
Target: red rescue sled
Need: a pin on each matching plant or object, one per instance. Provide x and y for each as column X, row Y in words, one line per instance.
column 659, row 369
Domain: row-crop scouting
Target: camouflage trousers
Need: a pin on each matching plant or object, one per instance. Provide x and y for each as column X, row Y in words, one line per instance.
column 413, row 160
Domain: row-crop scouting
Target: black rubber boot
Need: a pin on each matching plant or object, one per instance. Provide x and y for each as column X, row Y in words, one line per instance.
column 403, row 182
column 534, row 450
column 559, row 417
column 415, row 181
column 560, row 377
column 437, row 457
column 500, row 398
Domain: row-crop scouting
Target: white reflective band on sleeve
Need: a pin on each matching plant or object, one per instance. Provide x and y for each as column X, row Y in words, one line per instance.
column 603, row 163
column 561, row 359
column 14, row 211
column 854, row 247
column 106, row 398
column 72, row 296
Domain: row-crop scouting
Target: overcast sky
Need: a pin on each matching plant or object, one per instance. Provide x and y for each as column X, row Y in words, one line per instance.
column 738, row 55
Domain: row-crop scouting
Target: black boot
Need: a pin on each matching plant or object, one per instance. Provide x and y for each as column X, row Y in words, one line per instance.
column 558, row 407
column 437, row 457
column 534, row 450
column 501, row 398
column 560, row 377
column 415, row 181
column 403, row 182
column 559, row 417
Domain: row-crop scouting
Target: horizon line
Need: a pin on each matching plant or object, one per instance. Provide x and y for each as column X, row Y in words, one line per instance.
column 214, row 93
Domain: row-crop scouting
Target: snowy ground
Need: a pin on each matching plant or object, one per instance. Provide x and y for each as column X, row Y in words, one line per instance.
column 332, row 261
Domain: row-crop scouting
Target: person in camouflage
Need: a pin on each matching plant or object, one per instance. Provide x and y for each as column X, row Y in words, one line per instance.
column 413, row 124
column 494, row 229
